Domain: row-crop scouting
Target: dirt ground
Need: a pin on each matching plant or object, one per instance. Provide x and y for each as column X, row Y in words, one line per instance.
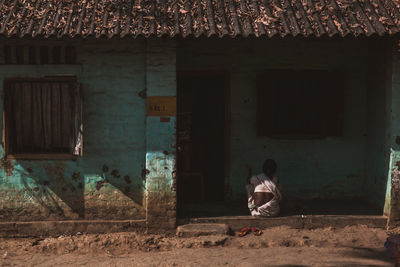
column 280, row 246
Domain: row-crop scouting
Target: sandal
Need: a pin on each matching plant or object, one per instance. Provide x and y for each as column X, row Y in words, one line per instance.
column 256, row 231
column 244, row 231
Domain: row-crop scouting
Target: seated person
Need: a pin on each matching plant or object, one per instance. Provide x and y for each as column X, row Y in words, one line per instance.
column 263, row 191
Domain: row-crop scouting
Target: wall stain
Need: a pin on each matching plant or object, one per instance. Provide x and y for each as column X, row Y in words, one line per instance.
column 127, row 179
column 143, row 93
column 115, row 173
column 104, row 168
column 7, row 166
column 100, row 184
column 76, row 176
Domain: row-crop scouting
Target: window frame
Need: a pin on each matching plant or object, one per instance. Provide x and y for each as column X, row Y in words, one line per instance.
column 39, row 155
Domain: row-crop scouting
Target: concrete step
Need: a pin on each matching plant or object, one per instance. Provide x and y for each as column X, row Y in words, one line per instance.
column 297, row 221
column 200, row 229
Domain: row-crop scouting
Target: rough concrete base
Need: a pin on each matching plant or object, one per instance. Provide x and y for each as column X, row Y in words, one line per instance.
column 199, row 229
column 298, row 221
column 56, row 228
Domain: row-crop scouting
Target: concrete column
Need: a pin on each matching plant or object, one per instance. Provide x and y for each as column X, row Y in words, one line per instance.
column 160, row 135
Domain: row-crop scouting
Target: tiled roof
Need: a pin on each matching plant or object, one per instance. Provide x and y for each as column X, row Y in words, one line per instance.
column 70, row 18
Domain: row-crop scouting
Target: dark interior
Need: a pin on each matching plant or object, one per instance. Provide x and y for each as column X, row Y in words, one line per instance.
column 201, row 124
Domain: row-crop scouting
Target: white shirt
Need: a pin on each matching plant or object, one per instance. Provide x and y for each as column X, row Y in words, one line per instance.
column 258, row 186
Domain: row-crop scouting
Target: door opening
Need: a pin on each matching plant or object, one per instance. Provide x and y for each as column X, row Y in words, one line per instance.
column 201, row 138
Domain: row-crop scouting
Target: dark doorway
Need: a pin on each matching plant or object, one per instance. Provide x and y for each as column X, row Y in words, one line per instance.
column 201, row 138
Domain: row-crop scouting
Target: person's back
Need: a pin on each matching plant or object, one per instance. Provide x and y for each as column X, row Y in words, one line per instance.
column 262, row 191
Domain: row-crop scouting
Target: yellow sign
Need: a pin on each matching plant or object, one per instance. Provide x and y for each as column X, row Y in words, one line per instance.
column 158, row 106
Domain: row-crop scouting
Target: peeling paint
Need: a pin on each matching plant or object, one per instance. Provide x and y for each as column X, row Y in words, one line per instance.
column 145, row 172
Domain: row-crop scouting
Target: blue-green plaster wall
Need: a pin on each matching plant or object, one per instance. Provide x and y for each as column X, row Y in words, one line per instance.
column 160, row 136
column 112, row 73
column 119, row 135
column 329, row 168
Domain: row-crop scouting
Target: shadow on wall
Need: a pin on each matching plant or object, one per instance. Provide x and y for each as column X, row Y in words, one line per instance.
column 47, row 184
column 62, row 189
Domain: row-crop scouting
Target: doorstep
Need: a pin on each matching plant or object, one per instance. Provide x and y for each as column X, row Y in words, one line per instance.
column 296, row 221
column 71, row 227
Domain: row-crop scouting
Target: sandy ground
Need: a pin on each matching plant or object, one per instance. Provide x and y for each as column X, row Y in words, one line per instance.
column 280, row 246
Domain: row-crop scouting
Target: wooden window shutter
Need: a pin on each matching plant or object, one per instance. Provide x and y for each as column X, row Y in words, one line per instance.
column 267, row 86
column 300, row 104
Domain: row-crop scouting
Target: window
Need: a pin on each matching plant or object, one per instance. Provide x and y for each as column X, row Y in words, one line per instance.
column 299, row 104
column 43, row 118
column 35, row 54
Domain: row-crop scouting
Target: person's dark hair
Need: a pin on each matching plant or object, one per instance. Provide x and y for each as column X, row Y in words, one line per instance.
column 269, row 167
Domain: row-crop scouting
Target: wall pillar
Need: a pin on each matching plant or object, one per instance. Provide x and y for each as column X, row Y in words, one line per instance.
column 160, row 133
column 392, row 137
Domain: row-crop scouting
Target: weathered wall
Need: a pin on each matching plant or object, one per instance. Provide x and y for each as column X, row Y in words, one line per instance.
column 108, row 182
column 392, row 136
column 125, row 152
column 160, row 137
column 329, row 168
column 377, row 153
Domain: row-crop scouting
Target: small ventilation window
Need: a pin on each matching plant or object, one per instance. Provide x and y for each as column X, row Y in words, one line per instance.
column 56, row 54
column 7, row 54
column 20, row 54
column 32, row 55
column 38, row 55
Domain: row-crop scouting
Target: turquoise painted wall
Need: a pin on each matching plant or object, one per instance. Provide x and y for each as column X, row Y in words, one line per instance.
column 329, row 168
column 112, row 74
column 160, row 137
column 119, row 136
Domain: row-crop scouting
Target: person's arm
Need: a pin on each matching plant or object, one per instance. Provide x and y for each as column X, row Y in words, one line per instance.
column 276, row 182
column 249, row 173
